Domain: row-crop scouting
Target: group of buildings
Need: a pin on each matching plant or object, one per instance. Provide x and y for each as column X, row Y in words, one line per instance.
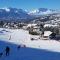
column 46, row 31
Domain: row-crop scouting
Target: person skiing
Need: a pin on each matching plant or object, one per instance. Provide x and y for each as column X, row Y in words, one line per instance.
column 7, row 50
column 19, row 46
column 10, row 37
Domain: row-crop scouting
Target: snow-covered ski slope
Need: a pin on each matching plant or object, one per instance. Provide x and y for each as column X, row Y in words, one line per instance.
column 34, row 50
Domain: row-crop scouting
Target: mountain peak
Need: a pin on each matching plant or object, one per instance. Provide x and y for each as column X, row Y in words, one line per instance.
column 13, row 14
column 41, row 11
column 6, row 9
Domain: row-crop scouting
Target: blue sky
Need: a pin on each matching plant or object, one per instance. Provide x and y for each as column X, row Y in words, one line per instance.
column 30, row 4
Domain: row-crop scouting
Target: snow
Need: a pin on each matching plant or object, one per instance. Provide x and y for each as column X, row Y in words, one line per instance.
column 50, row 25
column 35, row 50
column 47, row 33
column 29, row 25
column 21, row 36
column 47, row 12
column 34, row 11
column 7, row 9
column 39, row 12
column 16, row 11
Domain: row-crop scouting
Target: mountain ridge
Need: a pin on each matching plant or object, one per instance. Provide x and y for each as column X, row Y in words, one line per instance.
column 15, row 14
column 42, row 11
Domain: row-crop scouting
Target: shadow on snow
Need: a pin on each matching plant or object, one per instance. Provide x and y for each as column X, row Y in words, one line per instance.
column 25, row 53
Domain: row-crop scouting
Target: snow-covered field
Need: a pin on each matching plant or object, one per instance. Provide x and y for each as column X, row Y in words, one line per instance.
column 35, row 50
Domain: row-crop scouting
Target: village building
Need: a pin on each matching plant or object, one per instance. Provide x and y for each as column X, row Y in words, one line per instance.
column 46, row 35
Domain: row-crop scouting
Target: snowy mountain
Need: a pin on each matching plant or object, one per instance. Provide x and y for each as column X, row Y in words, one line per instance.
column 13, row 14
column 42, row 11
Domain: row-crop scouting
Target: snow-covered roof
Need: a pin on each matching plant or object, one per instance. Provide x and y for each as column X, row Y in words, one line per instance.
column 36, row 27
column 47, row 33
column 49, row 25
column 29, row 25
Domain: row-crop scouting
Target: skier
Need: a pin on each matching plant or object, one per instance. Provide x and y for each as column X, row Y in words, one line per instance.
column 19, row 46
column 10, row 37
column 7, row 50
column 1, row 54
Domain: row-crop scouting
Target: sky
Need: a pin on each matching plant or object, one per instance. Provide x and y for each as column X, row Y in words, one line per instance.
column 30, row 4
